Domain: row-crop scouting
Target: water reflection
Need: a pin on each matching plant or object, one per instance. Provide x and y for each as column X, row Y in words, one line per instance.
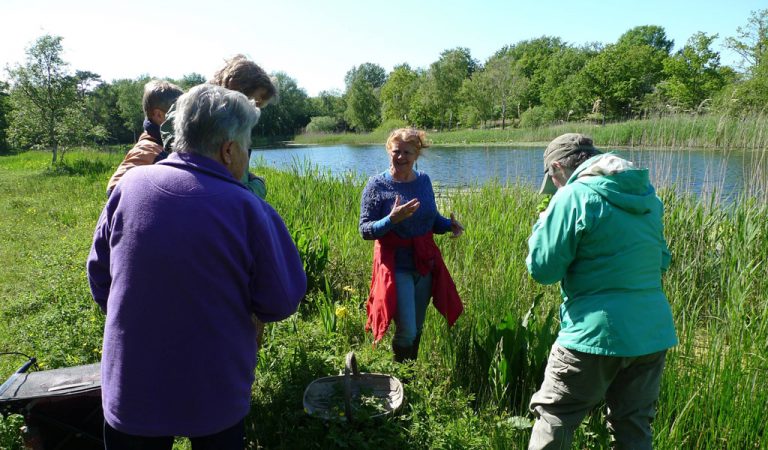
column 700, row 172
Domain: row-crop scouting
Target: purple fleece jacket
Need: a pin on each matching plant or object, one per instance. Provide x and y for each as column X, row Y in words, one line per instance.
column 182, row 255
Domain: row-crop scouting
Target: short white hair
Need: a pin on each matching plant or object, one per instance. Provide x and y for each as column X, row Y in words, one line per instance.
column 209, row 115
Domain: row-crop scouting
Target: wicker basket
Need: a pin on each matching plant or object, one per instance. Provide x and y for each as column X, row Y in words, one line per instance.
column 353, row 395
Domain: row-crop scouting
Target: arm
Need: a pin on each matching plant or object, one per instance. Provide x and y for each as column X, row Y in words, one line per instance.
column 278, row 281
column 255, row 184
column 555, row 239
column 97, row 265
column 372, row 225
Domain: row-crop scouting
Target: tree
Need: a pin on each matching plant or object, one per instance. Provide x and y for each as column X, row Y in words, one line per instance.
column 397, row 93
column 43, row 95
column 437, row 101
column 329, row 104
column 189, row 81
column 562, row 92
column 693, row 74
column 5, row 113
column 362, row 97
column 751, row 42
column 363, row 107
column 374, row 74
column 129, row 98
column 288, row 113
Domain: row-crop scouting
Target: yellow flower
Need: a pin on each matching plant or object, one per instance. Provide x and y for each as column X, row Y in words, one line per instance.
column 349, row 289
column 341, row 312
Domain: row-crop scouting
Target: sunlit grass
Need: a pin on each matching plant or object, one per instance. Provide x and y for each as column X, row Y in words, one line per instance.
column 712, row 394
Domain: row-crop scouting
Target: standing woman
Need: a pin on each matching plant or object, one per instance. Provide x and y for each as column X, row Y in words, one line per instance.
column 398, row 211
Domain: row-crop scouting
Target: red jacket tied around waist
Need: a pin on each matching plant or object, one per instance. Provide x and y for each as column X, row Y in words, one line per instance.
column 382, row 300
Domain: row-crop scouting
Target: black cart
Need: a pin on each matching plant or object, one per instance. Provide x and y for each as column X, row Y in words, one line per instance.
column 61, row 407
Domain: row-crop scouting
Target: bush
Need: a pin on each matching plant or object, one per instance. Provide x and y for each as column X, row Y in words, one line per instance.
column 390, row 125
column 322, row 124
column 536, row 117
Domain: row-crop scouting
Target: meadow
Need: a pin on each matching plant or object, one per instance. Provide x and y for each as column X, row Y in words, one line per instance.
column 470, row 387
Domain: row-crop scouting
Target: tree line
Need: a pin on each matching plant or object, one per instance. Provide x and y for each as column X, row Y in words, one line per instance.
column 531, row 83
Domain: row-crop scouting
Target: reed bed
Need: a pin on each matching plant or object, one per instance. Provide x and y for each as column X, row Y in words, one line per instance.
column 713, row 131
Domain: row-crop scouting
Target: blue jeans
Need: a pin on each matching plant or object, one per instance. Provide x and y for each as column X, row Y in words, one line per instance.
column 413, row 292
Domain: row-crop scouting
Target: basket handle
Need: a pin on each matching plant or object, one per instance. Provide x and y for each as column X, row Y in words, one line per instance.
column 350, row 369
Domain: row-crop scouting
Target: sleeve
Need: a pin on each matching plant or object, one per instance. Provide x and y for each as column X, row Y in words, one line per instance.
column 278, row 282
column 255, row 184
column 555, row 238
column 97, row 265
column 166, row 129
column 139, row 155
column 372, row 225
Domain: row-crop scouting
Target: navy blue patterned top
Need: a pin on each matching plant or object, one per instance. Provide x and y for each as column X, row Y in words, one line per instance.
column 376, row 204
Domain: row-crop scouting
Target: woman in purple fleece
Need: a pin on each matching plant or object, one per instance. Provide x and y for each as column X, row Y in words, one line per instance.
column 182, row 256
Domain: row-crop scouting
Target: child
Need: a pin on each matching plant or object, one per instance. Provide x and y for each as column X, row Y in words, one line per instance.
column 157, row 100
column 242, row 75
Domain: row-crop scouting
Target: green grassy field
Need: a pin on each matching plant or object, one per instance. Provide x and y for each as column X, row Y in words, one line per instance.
column 681, row 131
column 471, row 384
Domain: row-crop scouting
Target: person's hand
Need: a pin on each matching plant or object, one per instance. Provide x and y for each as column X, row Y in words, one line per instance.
column 401, row 212
column 456, row 227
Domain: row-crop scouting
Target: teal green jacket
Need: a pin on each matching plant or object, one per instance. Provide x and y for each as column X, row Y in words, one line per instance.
column 602, row 237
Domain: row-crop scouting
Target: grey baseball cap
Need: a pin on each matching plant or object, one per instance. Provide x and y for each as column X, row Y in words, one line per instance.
column 560, row 147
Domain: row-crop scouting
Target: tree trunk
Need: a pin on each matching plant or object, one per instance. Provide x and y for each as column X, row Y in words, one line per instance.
column 503, row 113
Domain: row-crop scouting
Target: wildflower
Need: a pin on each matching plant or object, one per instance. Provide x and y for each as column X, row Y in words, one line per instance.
column 341, row 312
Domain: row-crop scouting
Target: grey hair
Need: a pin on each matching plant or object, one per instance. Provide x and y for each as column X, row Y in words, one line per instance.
column 208, row 116
column 574, row 160
column 159, row 94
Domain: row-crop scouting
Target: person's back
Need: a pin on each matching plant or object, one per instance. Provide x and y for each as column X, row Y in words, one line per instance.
column 182, row 256
column 156, row 101
column 610, row 229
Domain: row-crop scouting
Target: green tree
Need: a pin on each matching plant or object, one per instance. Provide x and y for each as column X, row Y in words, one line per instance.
column 329, row 104
column 693, row 74
column 437, row 101
column 563, row 92
column 129, row 97
column 5, row 115
column 43, row 95
column 363, row 107
column 362, row 97
column 189, row 81
column 397, row 93
column 751, row 41
column 288, row 113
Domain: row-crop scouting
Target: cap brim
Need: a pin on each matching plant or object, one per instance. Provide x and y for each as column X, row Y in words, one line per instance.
column 547, row 186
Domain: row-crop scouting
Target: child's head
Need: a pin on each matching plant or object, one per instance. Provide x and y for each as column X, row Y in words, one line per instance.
column 157, row 100
column 243, row 75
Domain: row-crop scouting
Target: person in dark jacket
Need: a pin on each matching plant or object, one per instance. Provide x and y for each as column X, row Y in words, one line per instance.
column 602, row 238
column 182, row 256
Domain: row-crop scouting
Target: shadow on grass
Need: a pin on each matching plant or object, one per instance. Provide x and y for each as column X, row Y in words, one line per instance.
column 80, row 167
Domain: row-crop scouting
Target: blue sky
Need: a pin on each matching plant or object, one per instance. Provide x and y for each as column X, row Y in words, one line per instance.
column 317, row 42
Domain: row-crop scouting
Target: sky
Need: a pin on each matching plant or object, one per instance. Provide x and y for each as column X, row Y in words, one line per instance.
column 317, row 42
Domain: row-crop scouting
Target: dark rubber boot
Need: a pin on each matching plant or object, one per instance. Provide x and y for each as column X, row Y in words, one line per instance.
column 401, row 354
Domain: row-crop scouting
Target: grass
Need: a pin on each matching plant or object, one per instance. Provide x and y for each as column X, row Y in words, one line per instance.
column 677, row 131
column 471, row 384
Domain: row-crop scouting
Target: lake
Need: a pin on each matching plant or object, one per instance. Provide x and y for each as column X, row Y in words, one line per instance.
column 701, row 172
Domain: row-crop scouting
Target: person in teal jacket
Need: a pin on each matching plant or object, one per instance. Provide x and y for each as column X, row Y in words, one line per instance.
column 602, row 238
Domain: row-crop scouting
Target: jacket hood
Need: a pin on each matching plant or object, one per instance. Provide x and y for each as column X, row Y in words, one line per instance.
column 618, row 181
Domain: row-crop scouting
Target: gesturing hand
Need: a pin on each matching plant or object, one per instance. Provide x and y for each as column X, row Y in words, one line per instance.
column 456, row 227
column 401, row 212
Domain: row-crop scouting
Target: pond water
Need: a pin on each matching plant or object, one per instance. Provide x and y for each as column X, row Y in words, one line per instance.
column 701, row 172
